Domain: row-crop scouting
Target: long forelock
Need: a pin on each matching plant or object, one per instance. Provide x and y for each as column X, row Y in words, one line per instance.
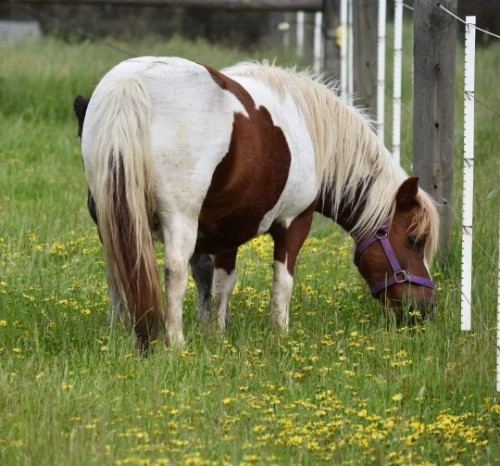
column 351, row 163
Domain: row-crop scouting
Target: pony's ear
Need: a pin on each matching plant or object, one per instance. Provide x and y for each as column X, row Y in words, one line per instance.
column 407, row 192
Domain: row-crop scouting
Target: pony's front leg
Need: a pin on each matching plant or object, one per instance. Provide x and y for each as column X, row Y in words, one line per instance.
column 281, row 295
column 179, row 247
column 223, row 285
column 287, row 244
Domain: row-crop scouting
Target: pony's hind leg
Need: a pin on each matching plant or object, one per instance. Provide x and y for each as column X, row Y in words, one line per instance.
column 179, row 235
column 287, row 244
column 202, row 268
column 224, row 282
column 117, row 310
column 116, row 304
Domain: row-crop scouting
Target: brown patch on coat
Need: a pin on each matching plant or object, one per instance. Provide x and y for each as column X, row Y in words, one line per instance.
column 248, row 181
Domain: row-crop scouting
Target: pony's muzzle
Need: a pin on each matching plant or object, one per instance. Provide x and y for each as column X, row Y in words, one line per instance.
column 410, row 310
column 426, row 307
column 416, row 313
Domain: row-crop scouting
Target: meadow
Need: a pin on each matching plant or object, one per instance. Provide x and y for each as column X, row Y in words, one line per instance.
column 344, row 387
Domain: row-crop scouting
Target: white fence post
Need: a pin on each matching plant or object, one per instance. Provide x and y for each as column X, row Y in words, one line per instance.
column 468, row 175
column 498, row 326
column 381, row 69
column 300, row 33
column 350, row 54
column 396, row 94
column 346, row 52
column 318, row 41
column 343, row 49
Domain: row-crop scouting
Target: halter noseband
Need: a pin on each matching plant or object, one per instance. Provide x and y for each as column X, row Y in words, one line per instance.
column 399, row 275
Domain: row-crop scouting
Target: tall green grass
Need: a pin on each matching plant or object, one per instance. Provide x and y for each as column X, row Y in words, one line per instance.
column 344, row 387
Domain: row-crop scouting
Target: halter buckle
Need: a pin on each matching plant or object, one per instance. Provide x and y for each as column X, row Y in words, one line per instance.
column 401, row 276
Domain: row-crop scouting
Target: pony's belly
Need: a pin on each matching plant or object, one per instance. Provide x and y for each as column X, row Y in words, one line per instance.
column 222, row 236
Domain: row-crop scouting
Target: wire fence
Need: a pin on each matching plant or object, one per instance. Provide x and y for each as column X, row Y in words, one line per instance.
column 489, row 253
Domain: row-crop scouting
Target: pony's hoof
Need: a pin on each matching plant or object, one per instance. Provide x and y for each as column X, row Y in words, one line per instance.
column 280, row 325
column 175, row 340
column 221, row 323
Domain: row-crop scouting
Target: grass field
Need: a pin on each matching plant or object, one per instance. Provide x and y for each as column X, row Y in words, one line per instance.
column 344, row 387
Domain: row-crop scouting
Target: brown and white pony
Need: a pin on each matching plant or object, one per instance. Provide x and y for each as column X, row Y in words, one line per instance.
column 205, row 160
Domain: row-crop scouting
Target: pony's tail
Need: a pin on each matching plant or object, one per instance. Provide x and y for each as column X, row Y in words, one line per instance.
column 122, row 186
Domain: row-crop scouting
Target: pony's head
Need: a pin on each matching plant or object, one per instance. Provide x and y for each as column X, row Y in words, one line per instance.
column 80, row 107
column 395, row 260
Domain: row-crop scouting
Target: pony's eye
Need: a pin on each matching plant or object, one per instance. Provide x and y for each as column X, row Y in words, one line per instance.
column 415, row 243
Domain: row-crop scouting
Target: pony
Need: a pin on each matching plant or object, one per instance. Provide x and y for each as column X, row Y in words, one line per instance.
column 205, row 160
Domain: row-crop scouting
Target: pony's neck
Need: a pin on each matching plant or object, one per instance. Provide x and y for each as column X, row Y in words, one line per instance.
column 344, row 213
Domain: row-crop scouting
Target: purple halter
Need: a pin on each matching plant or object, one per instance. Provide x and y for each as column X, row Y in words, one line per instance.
column 399, row 275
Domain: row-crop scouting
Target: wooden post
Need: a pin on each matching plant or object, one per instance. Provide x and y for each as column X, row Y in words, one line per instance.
column 309, row 38
column 434, row 104
column 365, row 13
column 331, row 21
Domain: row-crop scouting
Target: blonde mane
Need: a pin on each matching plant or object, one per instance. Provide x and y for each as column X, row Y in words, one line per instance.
column 351, row 162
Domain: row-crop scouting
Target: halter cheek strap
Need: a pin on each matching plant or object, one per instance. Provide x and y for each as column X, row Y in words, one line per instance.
column 399, row 275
